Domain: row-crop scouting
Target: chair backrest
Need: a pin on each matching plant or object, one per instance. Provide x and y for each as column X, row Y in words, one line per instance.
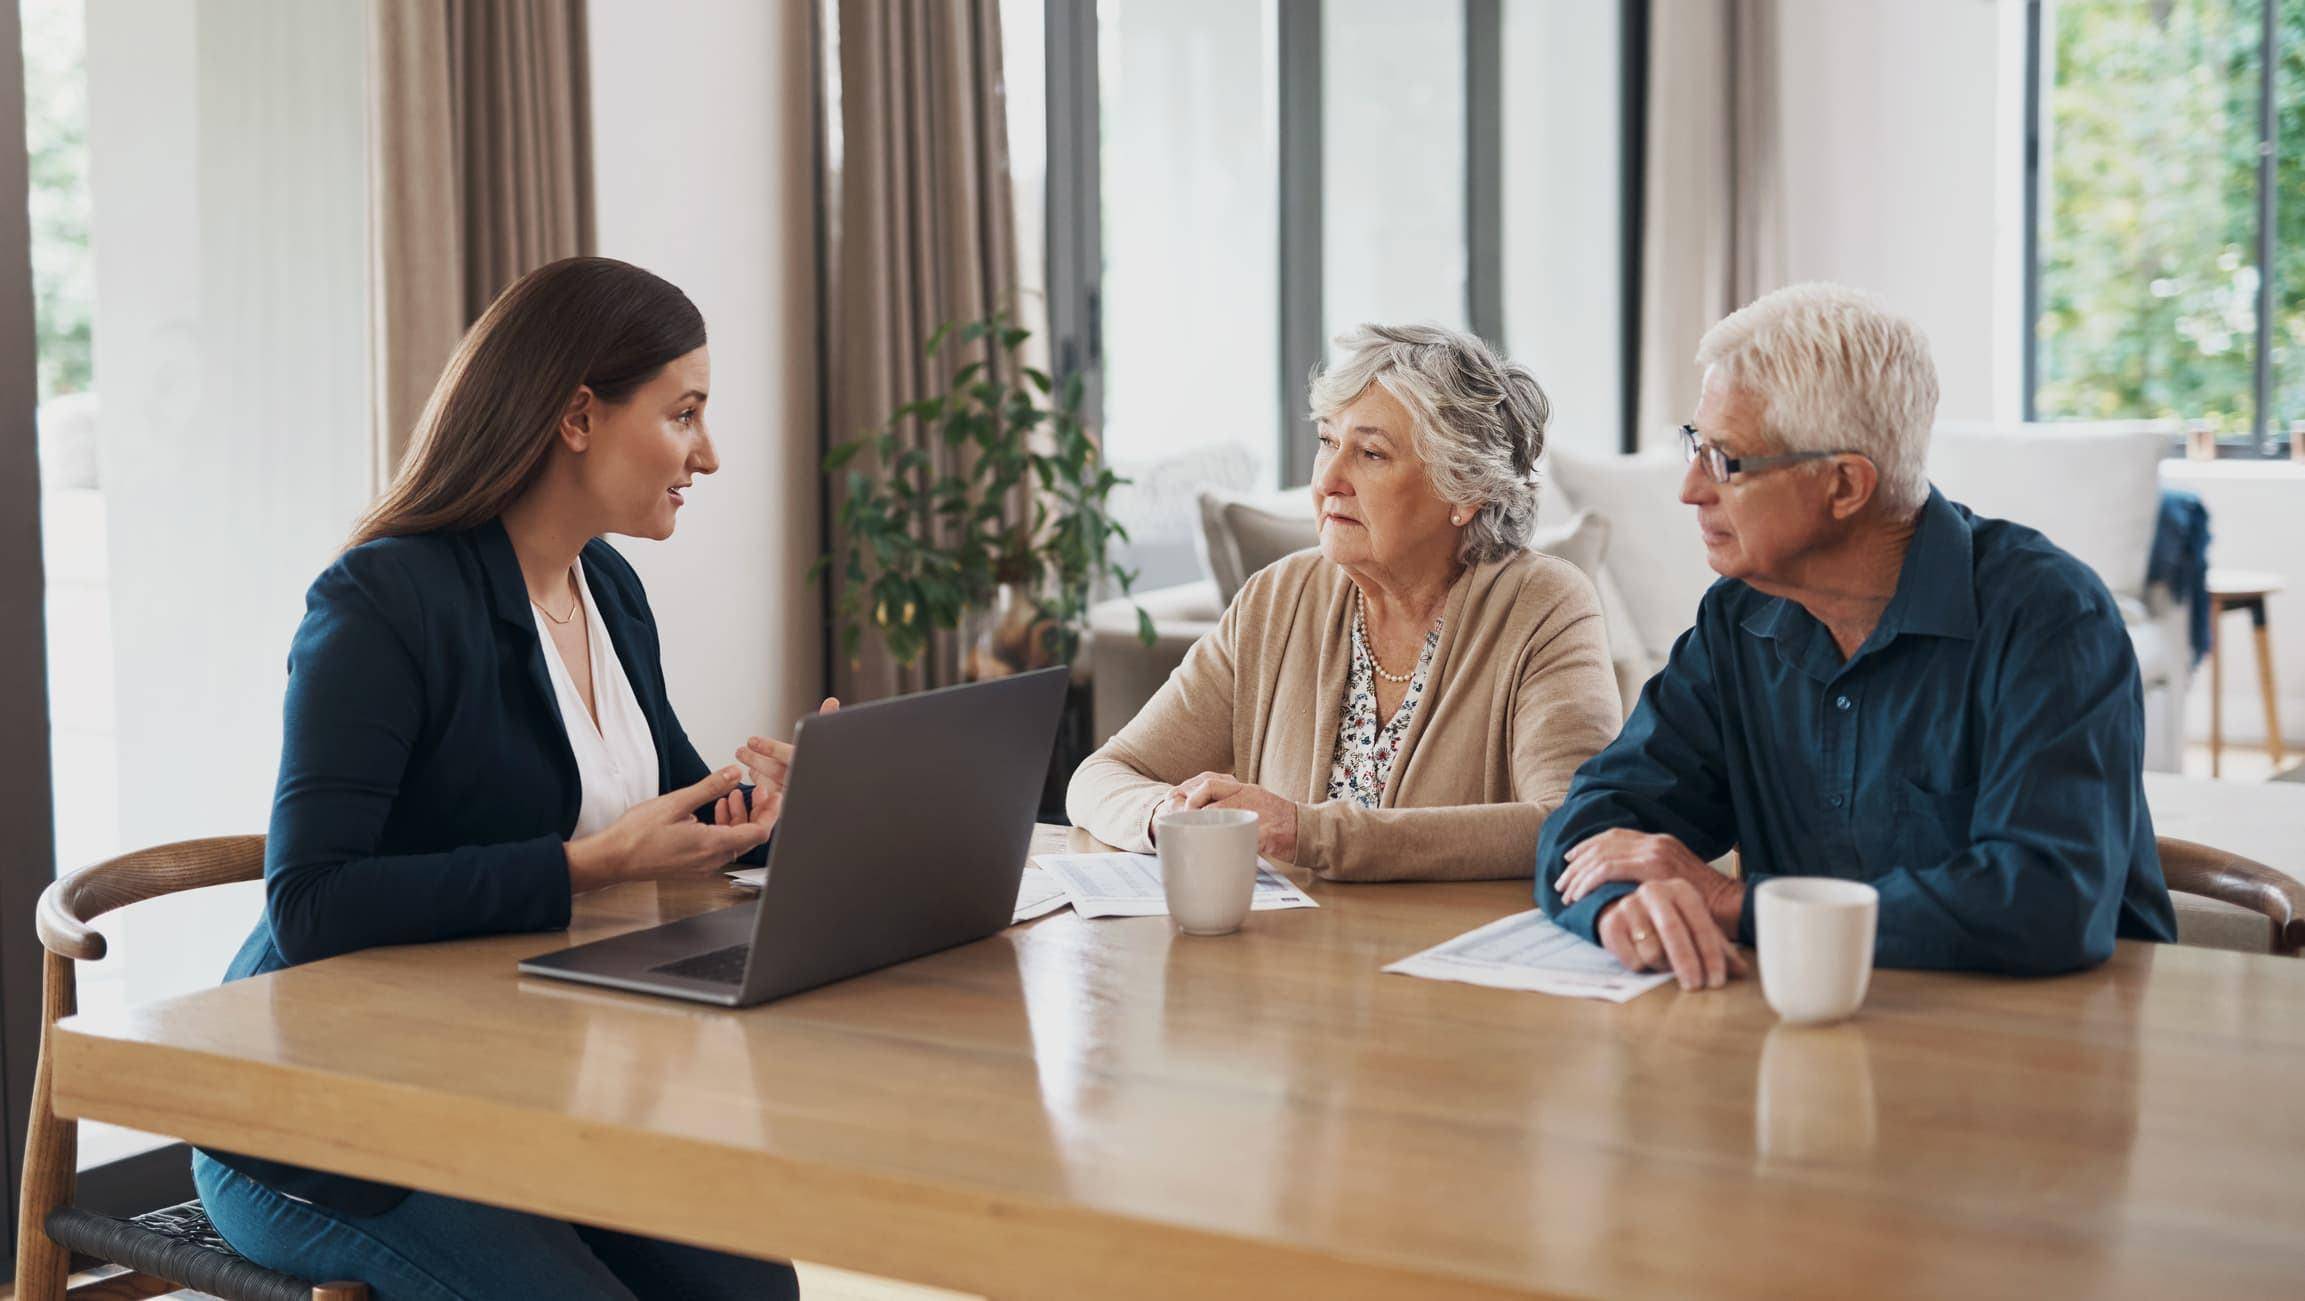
column 51, row 1144
column 2243, row 882
column 71, row 902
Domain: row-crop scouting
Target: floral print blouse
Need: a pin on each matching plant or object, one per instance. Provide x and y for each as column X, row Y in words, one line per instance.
column 1365, row 754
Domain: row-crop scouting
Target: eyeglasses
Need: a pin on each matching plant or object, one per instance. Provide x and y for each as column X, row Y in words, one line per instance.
column 1719, row 465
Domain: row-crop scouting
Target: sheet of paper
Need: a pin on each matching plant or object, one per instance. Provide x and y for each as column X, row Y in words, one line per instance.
column 1037, row 895
column 1524, row 951
column 1129, row 885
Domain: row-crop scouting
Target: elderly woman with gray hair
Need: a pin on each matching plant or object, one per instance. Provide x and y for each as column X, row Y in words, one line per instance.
column 1410, row 700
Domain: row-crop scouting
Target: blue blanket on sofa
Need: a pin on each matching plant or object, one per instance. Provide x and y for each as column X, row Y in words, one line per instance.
column 2180, row 559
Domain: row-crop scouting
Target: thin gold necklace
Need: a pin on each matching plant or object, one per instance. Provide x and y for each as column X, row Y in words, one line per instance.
column 576, row 601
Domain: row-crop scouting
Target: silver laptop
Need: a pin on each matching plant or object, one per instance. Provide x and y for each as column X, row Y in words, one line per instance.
column 904, row 831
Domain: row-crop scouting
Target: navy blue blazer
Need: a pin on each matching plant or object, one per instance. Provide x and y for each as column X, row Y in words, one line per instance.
column 427, row 790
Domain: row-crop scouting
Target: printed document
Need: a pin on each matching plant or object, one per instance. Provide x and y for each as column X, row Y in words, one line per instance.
column 1129, row 885
column 1038, row 895
column 1524, row 951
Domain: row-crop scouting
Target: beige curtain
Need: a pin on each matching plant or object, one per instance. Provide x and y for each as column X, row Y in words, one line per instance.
column 481, row 135
column 925, row 233
column 1714, row 229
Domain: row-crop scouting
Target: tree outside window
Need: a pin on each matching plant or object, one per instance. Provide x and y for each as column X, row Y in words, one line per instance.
column 2148, row 253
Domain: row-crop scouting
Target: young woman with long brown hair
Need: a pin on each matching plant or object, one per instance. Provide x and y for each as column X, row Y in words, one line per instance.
column 477, row 730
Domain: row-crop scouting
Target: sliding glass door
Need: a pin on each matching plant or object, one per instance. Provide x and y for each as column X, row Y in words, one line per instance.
column 197, row 245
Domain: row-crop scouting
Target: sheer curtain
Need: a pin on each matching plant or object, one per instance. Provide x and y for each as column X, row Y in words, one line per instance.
column 925, row 234
column 1713, row 237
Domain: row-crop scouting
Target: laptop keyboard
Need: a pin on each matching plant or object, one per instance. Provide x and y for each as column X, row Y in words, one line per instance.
column 720, row 966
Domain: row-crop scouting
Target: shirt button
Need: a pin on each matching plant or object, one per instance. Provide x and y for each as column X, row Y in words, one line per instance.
column 1842, row 703
column 1835, row 801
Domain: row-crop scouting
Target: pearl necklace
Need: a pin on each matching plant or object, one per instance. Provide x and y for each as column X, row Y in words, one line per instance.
column 1361, row 635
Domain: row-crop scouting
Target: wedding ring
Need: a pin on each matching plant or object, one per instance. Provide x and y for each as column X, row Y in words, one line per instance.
column 1640, row 937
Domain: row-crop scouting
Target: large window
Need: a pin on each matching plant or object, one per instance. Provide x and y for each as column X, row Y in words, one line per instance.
column 198, row 195
column 1190, row 287
column 2169, row 226
column 1260, row 175
column 1393, row 203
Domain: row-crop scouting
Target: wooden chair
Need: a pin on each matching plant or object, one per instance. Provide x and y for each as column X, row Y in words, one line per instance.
column 166, row 1250
column 2244, row 882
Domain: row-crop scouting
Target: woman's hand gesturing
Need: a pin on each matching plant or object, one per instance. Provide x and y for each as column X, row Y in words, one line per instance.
column 771, row 765
column 662, row 837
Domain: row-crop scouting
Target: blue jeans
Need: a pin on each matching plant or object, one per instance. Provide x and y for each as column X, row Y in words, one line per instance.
column 432, row 1248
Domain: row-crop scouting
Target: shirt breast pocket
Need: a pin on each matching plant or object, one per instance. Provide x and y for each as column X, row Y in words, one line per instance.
column 1932, row 823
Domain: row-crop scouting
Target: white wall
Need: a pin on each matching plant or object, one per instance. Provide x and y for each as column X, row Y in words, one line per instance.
column 702, row 169
column 1896, row 175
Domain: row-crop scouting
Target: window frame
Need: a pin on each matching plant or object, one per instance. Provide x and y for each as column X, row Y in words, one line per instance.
column 1075, row 247
column 2265, row 441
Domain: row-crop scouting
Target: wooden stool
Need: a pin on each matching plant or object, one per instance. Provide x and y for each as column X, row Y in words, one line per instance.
column 2230, row 590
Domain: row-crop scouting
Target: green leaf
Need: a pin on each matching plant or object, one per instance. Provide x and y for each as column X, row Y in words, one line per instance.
column 1039, row 378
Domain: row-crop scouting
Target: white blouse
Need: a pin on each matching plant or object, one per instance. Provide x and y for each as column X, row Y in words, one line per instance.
column 617, row 758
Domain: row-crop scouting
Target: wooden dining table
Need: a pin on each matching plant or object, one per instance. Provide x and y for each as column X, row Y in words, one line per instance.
column 1106, row 1108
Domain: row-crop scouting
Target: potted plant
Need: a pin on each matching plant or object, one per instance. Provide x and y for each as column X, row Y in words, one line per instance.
column 1003, row 537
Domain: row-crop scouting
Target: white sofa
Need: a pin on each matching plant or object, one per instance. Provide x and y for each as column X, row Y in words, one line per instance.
column 2094, row 490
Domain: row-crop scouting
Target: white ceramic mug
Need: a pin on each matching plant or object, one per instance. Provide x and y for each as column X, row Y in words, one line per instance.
column 1208, row 867
column 1815, row 935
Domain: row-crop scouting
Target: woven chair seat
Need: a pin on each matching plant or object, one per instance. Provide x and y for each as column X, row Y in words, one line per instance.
column 176, row 1243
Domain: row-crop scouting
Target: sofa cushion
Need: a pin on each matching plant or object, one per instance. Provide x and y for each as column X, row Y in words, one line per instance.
column 1272, row 524
column 1262, row 535
column 1656, row 557
column 2157, row 661
column 1241, row 535
column 2094, row 490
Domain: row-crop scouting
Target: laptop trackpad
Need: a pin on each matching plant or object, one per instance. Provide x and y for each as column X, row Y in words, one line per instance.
column 641, row 950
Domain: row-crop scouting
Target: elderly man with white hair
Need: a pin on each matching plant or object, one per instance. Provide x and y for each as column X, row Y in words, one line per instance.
column 1882, row 687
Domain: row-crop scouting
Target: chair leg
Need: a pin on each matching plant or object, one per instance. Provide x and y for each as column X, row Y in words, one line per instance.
column 51, row 1154
column 2265, row 685
column 340, row 1292
column 2216, row 688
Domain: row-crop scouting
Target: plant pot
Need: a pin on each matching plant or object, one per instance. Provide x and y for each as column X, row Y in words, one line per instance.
column 1008, row 637
column 1011, row 636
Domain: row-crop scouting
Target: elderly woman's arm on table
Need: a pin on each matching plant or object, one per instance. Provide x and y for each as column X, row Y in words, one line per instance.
column 1564, row 709
column 1186, row 728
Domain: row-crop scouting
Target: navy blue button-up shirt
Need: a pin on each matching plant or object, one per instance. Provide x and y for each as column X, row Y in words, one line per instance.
column 1978, row 760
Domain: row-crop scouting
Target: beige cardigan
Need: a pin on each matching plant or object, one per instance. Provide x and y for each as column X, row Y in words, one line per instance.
column 1521, row 692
